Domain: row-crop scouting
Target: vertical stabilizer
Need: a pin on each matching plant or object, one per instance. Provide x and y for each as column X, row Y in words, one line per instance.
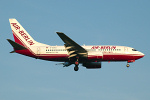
column 21, row 36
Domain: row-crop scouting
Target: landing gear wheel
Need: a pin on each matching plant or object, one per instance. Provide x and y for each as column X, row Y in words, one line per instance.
column 76, row 68
column 128, row 65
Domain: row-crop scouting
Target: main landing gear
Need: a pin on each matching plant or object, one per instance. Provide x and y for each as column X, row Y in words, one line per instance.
column 76, row 68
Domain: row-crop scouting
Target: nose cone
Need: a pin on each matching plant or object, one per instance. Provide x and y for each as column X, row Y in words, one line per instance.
column 141, row 55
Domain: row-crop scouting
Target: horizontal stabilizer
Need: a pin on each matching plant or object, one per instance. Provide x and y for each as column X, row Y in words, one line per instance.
column 15, row 45
column 13, row 51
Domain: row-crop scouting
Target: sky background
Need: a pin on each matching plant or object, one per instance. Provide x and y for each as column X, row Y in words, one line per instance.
column 89, row 22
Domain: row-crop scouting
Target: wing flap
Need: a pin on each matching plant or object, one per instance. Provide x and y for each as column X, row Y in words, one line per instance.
column 73, row 55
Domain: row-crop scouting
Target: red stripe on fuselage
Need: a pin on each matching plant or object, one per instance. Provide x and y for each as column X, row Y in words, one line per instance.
column 121, row 57
column 114, row 57
column 54, row 57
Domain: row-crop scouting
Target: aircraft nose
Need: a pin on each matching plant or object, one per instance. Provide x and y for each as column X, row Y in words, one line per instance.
column 142, row 54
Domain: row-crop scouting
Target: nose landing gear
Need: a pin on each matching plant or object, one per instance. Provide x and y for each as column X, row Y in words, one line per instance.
column 128, row 65
column 129, row 61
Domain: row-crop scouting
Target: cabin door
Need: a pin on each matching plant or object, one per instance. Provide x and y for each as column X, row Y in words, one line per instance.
column 125, row 49
column 38, row 51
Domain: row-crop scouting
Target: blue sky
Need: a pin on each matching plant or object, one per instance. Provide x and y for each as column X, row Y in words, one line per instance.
column 89, row 22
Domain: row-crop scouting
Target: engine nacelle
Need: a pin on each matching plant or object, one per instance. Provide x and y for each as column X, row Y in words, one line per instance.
column 93, row 55
column 92, row 65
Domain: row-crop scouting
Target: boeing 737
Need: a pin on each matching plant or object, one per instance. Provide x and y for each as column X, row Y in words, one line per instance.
column 71, row 53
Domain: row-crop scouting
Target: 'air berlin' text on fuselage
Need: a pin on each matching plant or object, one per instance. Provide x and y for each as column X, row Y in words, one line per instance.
column 21, row 32
column 103, row 47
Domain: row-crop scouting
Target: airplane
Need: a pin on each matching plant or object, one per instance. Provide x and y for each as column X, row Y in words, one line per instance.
column 71, row 53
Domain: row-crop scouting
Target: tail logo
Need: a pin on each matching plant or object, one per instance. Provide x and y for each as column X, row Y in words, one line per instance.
column 23, row 34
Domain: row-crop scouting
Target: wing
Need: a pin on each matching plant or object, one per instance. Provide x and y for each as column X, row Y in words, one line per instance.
column 74, row 49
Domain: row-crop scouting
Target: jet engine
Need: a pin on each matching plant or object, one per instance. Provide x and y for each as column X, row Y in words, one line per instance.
column 92, row 65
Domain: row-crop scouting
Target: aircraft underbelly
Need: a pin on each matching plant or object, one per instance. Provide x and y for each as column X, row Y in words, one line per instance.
column 118, row 57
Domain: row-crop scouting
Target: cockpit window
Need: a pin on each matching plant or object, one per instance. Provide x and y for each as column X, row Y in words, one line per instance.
column 134, row 50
